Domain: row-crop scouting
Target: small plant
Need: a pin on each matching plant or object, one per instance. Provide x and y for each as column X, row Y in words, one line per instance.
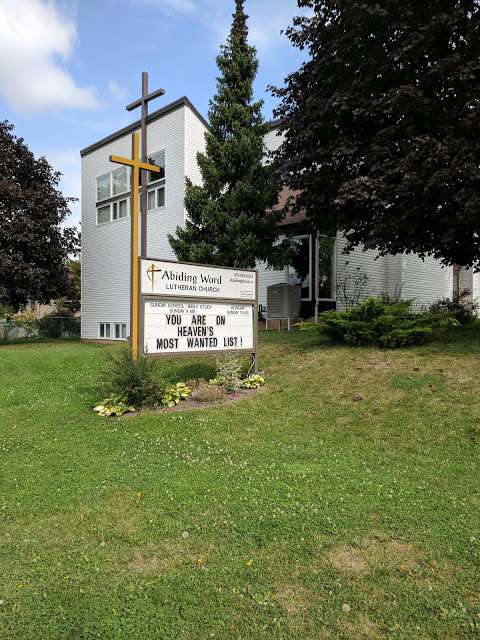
column 114, row 406
column 460, row 306
column 375, row 322
column 352, row 284
column 205, row 392
column 135, row 380
column 172, row 395
column 229, row 371
column 253, row 382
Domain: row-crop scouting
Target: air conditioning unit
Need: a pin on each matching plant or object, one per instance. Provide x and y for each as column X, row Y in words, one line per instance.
column 283, row 301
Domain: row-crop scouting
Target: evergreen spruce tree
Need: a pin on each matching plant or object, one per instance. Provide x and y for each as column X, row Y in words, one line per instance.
column 227, row 220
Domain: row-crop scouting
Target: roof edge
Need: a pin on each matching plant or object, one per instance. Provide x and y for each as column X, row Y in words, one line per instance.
column 155, row 115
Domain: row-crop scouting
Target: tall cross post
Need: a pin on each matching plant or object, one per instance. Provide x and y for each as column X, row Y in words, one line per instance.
column 137, row 165
column 143, row 102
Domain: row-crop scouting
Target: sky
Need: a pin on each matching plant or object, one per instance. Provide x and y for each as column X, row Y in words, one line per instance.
column 68, row 68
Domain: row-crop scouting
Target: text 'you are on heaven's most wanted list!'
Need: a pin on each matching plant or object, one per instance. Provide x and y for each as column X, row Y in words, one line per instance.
column 175, row 326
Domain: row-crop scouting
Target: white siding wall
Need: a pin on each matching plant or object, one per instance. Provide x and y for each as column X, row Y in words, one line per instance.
column 195, row 132
column 267, row 277
column 106, row 248
column 476, row 285
column 273, row 140
column 425, row 281
column 365, row 262
column 466, row 282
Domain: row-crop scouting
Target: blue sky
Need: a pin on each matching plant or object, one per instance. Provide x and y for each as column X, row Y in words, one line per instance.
column 68, row 68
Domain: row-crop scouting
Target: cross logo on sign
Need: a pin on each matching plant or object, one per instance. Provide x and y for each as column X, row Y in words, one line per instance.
column 151, row 271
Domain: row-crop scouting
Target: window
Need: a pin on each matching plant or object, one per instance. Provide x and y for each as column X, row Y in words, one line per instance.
column 156, row 198
column 300, row 271
column 112, row 331
column 104, row 329
column 103, row 187
column 325, row 268
column 120, row 331
column 119, row 181
column 161, row 197
column 103, row 214
column 159, row 160
column 151, row 199
column 120, row 209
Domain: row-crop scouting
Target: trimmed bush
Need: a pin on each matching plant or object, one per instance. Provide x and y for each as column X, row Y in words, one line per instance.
column 378, row 323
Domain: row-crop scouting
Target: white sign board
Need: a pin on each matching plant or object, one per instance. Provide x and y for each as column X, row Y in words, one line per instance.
column 159, row 277
column 180, row 326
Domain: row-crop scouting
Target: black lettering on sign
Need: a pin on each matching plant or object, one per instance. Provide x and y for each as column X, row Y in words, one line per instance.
column 199, row 320
column 174, row 319
column 167, row 343
column 220, row 320
column 230, row 342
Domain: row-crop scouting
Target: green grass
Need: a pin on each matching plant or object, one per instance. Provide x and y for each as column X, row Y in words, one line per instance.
column 296, row 502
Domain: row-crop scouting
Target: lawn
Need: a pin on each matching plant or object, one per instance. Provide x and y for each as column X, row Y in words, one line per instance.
column 298, row 513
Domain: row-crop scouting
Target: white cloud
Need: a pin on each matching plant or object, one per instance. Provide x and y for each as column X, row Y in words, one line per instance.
column 116, row 90
column 35, row 42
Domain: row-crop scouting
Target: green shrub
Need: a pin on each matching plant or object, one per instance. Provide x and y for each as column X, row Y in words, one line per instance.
column 229, row 371
column 463, row 309
column 378, row 323
column 57, row 323
column 133, row 380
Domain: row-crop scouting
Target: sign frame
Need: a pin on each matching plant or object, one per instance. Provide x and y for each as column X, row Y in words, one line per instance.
column 145, row 297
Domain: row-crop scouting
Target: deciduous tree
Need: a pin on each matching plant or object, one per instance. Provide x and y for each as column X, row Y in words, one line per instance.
column 34, row 246
column 382, row 124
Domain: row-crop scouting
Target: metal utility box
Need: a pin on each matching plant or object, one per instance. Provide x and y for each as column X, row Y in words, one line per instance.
column 283, row 301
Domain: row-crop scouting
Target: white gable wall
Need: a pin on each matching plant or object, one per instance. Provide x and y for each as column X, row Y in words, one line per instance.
column 106, row 248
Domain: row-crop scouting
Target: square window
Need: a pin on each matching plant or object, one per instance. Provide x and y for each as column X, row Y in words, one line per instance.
column 107, row 330
column 122, row 209
column 115, row 210
column 119, row 180
column 103, row 187
column 151, row 199
column 161, row 197
column 102, row 330
column 159, row 160
column 117, row 331
column 103, row 214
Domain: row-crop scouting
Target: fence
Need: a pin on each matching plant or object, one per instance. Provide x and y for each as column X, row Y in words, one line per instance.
column 46, row 327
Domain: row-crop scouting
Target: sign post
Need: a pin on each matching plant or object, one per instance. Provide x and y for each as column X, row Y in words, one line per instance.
column 189, row 309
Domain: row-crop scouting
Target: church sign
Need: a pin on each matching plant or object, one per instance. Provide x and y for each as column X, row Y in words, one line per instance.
column 192, row 308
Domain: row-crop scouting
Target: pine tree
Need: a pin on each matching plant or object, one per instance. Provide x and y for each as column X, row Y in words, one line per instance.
column 227, row 220
column 382, row 124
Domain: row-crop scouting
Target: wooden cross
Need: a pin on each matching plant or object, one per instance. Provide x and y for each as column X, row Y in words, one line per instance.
column 143, row 102
column 137, row 165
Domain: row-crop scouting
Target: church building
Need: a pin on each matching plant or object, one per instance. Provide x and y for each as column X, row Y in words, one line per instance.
column 176, row 133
